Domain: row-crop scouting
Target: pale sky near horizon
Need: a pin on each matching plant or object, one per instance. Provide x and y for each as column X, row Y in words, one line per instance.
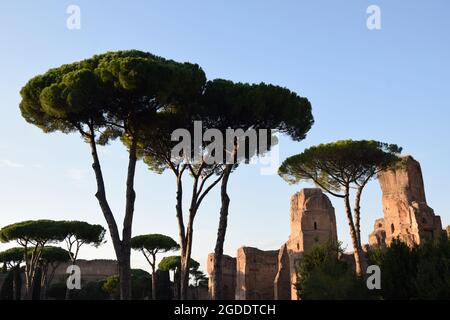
column 390, row 85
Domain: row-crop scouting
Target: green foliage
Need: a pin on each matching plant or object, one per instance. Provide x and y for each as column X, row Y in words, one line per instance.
column 174, row 263
column 421, row 272
column 225, row 104
column 333, row 165
column 200, row 278
column 154, row 243
column 38, row 231
column 322, row 275
column 140, row 285
column 52, row 254
column 115, row 90
column 84, row 232
column 13, row 255
column 398, row 270
column 89, row 291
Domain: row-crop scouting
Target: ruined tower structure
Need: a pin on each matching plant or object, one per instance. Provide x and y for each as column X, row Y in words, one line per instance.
column 406, row 213
column 313, row 222
column 272, row 274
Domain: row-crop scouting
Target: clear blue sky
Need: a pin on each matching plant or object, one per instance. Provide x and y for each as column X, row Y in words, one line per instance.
column 391, row 85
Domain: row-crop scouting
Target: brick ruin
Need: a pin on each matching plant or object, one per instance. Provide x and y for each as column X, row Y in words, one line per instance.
column 267, row 275
column 406, row 213
column 255, row 274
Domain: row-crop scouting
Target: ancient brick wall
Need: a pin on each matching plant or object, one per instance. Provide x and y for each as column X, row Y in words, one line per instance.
column 228, row 276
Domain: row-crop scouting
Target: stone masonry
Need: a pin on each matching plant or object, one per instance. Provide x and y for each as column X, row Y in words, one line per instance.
column 256, row 271
column 272, row 274
column 406, row 213
column 228, row 276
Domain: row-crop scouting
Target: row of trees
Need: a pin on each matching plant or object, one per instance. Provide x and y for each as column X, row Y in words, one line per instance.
column 141, row 99
column 33, row 237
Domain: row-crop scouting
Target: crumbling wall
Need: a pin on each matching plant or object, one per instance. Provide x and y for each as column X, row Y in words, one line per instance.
column 256, row 271
column 406, row 213
column 228, row 276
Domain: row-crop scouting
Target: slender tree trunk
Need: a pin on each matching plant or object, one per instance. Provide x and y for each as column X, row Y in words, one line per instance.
column 357, row 211
column 217, row 293
column 356, row 247
column 122, row 248
column 154, row 277
column 184, row 287
column 182, row 234
column 43, row 292
column 154, row 281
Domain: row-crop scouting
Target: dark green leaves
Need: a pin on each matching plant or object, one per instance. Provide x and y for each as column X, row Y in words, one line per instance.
column 154, row 243
column 334, row 165
column 174, row 263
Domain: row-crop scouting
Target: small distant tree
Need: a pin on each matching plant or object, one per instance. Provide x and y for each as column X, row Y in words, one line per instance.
column 150, row 245
column 32, row 236
column 140, row 283
column 78, row 233
column 51, row 259
column 173, row 263
column 12, row 258
column 340, row 167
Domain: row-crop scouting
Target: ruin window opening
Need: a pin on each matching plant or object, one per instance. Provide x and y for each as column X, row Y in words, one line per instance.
column 392, row 228
column 315, row 225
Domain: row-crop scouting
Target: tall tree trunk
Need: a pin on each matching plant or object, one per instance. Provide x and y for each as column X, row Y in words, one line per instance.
column 356, row 247
column 154, row 287
column 178, row 281
column 154, row 276
column 125, row 276
column 357, row 211
column 122, row 248
column 217, row 293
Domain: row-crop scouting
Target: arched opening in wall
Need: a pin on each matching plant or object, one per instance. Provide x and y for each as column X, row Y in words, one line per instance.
column 392, row 228
column 380, row 225
column 424, row 220
column 315, row 225
column 298, row 246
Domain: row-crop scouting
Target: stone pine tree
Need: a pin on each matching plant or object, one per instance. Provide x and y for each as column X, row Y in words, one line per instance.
column 32, row 236
column 79, row 233
column 12, row 259
column 51, row 259
column 109, row 96
column 150, row 245
column 243, row 107
column 338, row 168
column 174, row 263
column 156, row 150
column 222, row 105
